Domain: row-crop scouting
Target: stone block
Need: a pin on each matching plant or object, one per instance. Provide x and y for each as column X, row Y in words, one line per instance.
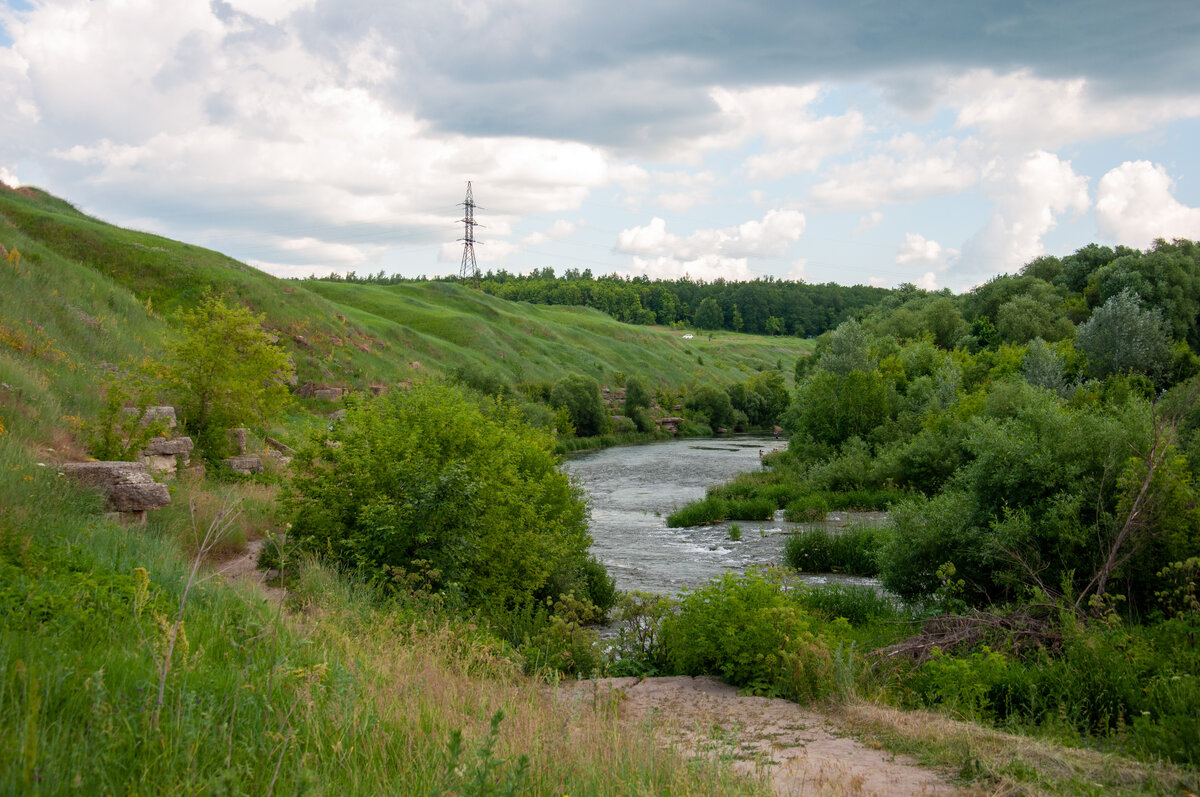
column 244, row 464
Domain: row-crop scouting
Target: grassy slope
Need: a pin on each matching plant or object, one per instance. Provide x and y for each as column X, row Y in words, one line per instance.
column 125, row 282
column 349, row 696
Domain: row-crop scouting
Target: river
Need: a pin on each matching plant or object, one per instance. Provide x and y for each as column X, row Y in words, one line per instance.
column 632, row 489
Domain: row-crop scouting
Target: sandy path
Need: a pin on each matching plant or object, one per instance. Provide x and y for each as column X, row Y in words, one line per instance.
column 244, row 567
column 796, row 748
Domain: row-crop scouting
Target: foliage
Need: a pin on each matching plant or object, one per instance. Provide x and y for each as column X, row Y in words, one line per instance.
column 1123, row 337
column 745, row 629
column 637, row 397
column 854, row 550
column 224, row 371
column 709, row 405
column 763, row 398
column 580, row 396
column 427, row 480
column 709, row 315
column 121, row 429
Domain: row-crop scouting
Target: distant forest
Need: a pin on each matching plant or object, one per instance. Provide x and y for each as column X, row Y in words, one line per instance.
column 763, row 307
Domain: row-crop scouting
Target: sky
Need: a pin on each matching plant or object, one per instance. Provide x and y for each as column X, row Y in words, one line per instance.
column 859, row 142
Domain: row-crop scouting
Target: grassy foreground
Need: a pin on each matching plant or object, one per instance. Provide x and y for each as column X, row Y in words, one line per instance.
column 124, row 670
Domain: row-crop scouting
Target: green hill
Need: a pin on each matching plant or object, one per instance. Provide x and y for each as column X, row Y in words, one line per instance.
column 87, row 295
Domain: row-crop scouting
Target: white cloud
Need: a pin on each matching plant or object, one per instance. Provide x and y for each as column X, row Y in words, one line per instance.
column 1029, row 196
column 908, row 169
column 706, row 267
column 560, row 229
column 798, row 271
column 918, row 250
column 204, row 114
column 1134, row 205
column 9, row 178
column 769, row 237
column 872, row 219
column 927, row 281
column 1019, row 112
column 794, row 140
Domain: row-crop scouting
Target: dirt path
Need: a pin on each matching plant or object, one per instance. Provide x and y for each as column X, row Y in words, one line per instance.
column 244, row 567
column 798, row 749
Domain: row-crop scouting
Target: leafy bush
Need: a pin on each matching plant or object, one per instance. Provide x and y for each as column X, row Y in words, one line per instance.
column 743, row 628
column 120, row 432
column 858, row 605
column 224, row 370
column 580, row 396
column 428, row 479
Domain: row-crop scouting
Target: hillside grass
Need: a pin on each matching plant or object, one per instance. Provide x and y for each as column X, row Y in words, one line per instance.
column 108, row 294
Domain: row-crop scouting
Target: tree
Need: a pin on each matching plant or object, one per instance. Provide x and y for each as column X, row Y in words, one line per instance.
column 710, row 404
column 580, row 396
column 709, row 315
column 636, row 396
column 428, row 482
column 223, row 371
column 1122, row 337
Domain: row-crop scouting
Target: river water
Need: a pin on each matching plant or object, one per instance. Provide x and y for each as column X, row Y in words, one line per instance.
column 632, row 489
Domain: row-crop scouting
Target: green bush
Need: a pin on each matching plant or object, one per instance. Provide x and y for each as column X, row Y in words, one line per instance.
column 428, row 479
column 854, row 550
column 224, row 370
column 580, row 396
column 643, row 419
column 744, row 628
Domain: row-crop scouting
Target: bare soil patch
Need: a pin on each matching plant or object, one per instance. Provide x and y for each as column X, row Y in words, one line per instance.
column 798, row 750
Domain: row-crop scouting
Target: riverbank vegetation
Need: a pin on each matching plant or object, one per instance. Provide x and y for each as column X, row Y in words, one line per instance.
column 1035, row 444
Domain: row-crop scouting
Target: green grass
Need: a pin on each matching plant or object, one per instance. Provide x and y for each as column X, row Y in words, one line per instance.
column 352, row 694
column 88, row 296
column 854, row 550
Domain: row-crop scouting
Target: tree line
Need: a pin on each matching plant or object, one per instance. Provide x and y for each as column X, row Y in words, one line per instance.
column 764, row 306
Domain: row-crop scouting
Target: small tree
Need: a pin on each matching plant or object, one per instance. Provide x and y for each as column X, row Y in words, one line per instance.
column 636, row 396
column 1122, row 337
column 709, row 315
column 223, row 371
column 580, row 396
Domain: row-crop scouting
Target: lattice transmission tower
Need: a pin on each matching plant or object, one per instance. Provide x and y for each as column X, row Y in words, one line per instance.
column 469, row 270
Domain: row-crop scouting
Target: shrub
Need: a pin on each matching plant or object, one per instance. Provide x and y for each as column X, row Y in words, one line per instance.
column 743, row 628
column 858, row 605
column 623, row 425
column 224, row 371
column 643, row 420
column 427, row 478
column 854, row 550
column 580, row 396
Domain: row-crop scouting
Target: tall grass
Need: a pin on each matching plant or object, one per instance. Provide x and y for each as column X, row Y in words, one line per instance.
column 854, row 550
column 353, row 693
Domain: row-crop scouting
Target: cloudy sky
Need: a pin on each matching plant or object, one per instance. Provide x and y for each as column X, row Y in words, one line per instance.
column 854, row 141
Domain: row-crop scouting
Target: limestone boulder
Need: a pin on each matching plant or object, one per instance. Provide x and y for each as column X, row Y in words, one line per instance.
column 128, row 486
column 167, row 454
column 244, row 464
